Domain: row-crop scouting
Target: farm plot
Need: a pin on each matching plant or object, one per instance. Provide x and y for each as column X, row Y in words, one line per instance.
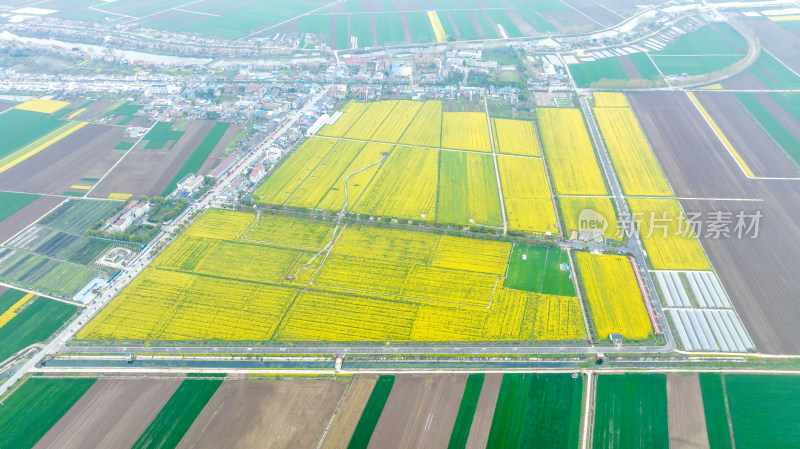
column 715, row 410
column 484, row 412
column 372, row 412
column 44, row 274
column 615, row 299
column 35, row 407
column 40, row 105
column 573, row 206
column 467, row 190
column 350, row 114
column 23, row 217
column 161, row 134
column 60, row 245
column 539, row 269
column 753, row 402
column 285, row 413
column 426, row 128
column 569, row 152
column 773, row 126
column 670, row 243
column 35, row 321
column 404, row 187
column 199, row 156
column 516, row 137
column 99, row 408
column 354, row 403
column 483, row 256
column 32, row 149
column 370, row 120
column 280, row 186
column 287, row 231
column 631, row 411
column 76, row 216
column 77, row 159
column 397, row 121
column 358, row 175
column 687, row 419
column 634, row 163
column 320, row 181
column 526, row 194
column 537, row 410
column 420, row 411
column 466, row 411
column 465, row 131
column 11, row 203
column 610, row 100
column 19, row 128
column 149, row 172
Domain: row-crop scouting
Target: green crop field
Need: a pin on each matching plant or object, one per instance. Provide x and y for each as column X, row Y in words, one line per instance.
column 486, row 25
column 500, row 17
column 631, row 411
column 76, row 216
column 587, row 73
column 44, row 274
column 789, row 102
column 464, row 24
column 421, row 28
column 537, row 411
column 540, row 271
column 765, row 410
column 645, row 66
column 719, row 434
column 9, row 298
column 32, row 410
column 693, row 65
column 19, row 128
column 773, row 74
column 390, row 29
column 467, row 189
column 466, row 411
column 372, row 412
column 11, row 203
column 771, row 125
column 161, row 133
column 361, row 27
column 36, row 323
column 708, row 40
column 199, row 155
column 178, row 414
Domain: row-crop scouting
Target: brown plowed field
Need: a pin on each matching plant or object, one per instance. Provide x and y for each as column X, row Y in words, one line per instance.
column 482, row 421
column 756, row 147
column 265, row 414
column 687, row 418
column 27, row 215
column 595, row 11
column 759, row 275
column 149, row 172
column 218, row 152
column 81, row 154
column 346, row 419
column 779, row 113
column 111, row 414
column 420, row 412
column 5, row 105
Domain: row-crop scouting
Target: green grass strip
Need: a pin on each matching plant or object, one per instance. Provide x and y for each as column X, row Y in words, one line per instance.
column 178, row 414
column 74, row 194
column 11, row 203
column 466, row 411
column 372, row 412
column 774, row 128
column 34, row 324
column 719, row 434
column 31, row 411
column 199, row 156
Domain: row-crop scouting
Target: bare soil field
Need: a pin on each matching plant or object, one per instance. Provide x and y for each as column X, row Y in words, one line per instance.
column 346, row 418
column 149, row 172
column 84, row 153
column 758, row 274
column 744, row 80
column 265, row 414
column 112, row 414
column 781, row 43
column 96, row 108
column 217, row 154
column 482, row 421
column 5, row 105
column 27, row 215
column 420, row 412
column 780, row 114
column 687, row 419
column 595, row 11
column 756, row 147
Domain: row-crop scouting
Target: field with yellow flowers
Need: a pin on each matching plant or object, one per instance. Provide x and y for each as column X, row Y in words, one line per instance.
column 324, row 176
column 516, row 137
column 610, row 100
column 667, row 236
column 572, row 206
column 634, row 162
column 426, row 128
column 293, row 171
column 465, row 131
column 351, row 112
column 250, row 280
column 396, row 123
column 615, row 300
column 370, row 120
column 526, row 194
column 468, row 189
column 569, row 152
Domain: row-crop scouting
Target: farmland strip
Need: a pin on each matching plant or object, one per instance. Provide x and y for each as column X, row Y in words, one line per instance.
column 466, row 411
column 372, row 412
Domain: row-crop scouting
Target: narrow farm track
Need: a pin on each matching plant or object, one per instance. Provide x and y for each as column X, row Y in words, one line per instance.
column 496, row 169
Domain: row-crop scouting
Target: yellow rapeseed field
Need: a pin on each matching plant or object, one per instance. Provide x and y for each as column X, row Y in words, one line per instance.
column 220, row 225
column 7, row 315
column 294, row 169
column 468, row 189
column 437, row 26
column 322, row 179
column 672, row 245
column 610, row 100
column 396, row 123
column 404, row 187
column 386, row 244
column 484, row 256
column 371, row 153
column 572, row 206
column 465, row 131
column 516, row 137
column 526, row 194
column 43, row 106
column 634, row 162
column 351, row 112
column 615, row 300
column 119, row 196
column 287, row 231
column 371, row 120
column 426, row 128
column 569, row 152
column 558, row 318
